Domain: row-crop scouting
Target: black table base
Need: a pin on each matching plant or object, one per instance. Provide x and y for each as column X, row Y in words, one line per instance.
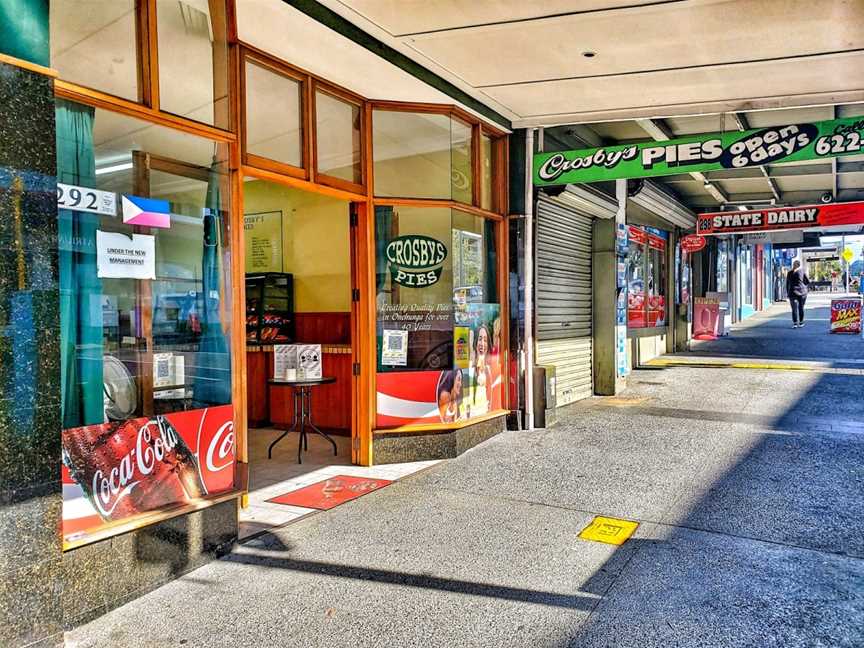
column 302, row 392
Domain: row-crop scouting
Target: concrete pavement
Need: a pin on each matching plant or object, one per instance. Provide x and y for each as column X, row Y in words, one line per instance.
column 747, row 484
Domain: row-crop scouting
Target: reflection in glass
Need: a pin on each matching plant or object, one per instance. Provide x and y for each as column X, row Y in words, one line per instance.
column 420, row 155
column 438, row 321
column 183, row 315
column 93, row 44
column 193, row 60
column 338, row 136
column 461, row 172
column 486, row 172
column 273, row 116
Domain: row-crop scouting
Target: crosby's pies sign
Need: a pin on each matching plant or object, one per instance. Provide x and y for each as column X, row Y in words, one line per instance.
column 416, row 261
column 781, row 218
column 709, row 152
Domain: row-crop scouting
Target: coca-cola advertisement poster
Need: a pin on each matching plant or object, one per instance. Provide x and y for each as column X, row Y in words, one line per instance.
column 117, row 470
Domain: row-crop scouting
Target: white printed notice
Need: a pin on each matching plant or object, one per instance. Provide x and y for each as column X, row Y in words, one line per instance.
column 122, row 257
column 394, row 350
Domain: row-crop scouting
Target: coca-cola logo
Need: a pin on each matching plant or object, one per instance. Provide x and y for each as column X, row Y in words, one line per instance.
column 153, row 442
column 220, row 452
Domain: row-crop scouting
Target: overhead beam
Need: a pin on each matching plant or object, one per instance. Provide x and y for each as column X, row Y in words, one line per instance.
column 744, row 125
column 659, row 130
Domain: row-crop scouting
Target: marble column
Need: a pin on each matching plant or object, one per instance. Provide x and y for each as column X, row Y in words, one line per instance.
column 30, row 488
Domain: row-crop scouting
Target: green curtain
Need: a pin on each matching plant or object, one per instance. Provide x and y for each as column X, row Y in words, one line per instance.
column 383, row 229
column 212, row 384
column 80, row 288
column 491, row 288
column 25, row 29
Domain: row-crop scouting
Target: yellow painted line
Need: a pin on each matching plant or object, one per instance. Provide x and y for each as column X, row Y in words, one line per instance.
column 612, row 531
column 729, row 365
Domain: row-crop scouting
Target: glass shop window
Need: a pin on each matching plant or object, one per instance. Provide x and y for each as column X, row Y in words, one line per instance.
column 338, row 137
column 98, row 44
column 722, row 265
column 193, row 60
column 93, row 44
column 144, row 268
column 439, row 325
column 274, row 115
column 486, row 173
column 422, row 155
column 646, row 277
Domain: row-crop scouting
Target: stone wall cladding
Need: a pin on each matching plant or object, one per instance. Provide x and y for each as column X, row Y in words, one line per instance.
column 437, row 444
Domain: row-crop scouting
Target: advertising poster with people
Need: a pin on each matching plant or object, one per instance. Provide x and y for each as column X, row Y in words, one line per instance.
column 472, row 387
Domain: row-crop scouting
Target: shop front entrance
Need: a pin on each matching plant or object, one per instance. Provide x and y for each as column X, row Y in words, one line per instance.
column 300, row 331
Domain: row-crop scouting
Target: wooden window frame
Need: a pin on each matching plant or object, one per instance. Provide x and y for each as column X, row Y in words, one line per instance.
column 499, row 154
column 350, row 98
column 259, row 161
column 148, row 105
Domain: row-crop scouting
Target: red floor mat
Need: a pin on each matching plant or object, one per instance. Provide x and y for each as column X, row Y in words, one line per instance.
column 331, row 492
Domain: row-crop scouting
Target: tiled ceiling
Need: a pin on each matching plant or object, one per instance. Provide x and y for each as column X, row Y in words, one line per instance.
column 531, row 60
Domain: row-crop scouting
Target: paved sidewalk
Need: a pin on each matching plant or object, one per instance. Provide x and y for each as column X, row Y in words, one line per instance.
column 747, row 484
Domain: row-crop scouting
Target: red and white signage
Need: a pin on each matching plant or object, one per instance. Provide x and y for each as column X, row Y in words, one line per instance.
column 846, row 316
column 114, row 471
column 706, row 318
column 781, row 218
column 693, row 243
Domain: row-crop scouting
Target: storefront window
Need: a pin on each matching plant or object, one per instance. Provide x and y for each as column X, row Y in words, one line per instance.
column 722, row 266
column 338, row 137
column 421, row 155
column 193, row 60
column 460, row 159
column 273, row 115
column 93, row 44
column 145, row 304
column 646, row 277
column 439, row 325
column 746, row 274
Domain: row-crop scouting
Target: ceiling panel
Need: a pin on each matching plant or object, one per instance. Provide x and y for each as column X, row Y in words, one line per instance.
column 322, row 51
column 765, row 118
column 803, row 183
column 639, row 39
column 851, row 180
column 675, row 90
column 682, row 126
column 400, row 17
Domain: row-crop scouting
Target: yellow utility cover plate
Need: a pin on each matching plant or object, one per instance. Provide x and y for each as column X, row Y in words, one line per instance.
column 609, row 530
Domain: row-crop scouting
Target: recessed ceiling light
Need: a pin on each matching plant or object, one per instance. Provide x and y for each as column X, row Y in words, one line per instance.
column 589, row 54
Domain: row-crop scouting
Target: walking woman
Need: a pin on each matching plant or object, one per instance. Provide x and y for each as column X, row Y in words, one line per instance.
column 796, row 287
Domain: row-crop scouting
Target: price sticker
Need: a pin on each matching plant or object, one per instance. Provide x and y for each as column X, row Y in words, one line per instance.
column 85, row 199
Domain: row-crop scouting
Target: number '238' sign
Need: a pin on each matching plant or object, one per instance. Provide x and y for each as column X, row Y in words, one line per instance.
column 86, row 199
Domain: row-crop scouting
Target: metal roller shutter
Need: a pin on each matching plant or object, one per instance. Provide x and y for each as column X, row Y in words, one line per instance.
column 563, row 297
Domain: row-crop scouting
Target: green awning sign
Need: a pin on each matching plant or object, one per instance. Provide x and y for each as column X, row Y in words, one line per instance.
column 711, row 152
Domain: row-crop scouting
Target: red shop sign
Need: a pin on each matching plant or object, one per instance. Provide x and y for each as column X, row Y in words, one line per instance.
column 846, row 316
column 781, row 218
column 693, row 243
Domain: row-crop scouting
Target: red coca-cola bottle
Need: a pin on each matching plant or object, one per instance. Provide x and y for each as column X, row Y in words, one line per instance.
column 132, row 466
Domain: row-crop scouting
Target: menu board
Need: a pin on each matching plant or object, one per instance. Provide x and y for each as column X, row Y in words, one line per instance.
column 263, row 234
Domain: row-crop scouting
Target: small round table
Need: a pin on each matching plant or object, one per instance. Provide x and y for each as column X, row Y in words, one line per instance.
column 302, row 390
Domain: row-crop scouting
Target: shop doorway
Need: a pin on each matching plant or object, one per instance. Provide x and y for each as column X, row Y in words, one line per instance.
column 299, row 271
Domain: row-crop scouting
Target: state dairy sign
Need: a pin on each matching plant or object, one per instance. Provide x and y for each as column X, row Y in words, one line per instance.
column 711, row 152
column 781, row 218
